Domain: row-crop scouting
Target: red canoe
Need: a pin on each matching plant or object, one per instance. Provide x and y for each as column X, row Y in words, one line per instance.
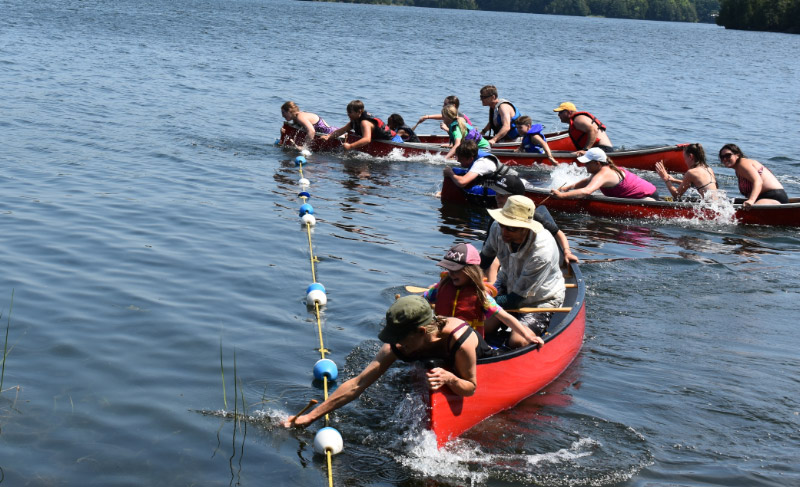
column 506, row 380
column 555, row 140
column 645, row 159
column 776, row 215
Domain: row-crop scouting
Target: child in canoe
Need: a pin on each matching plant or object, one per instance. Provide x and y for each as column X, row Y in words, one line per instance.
column 463, row 294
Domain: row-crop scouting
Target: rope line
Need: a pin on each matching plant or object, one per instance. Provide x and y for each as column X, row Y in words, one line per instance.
column 318, row 315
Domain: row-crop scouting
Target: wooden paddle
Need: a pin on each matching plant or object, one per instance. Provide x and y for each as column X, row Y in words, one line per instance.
column 540, row 310
column 415, row 289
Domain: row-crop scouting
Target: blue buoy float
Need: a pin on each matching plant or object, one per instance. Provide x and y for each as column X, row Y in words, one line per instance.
column 277, row 142
column 304, row 194
column 306, row 208
column 315, row 294
column 326, row 368
column 299, row 160
column 328, row 440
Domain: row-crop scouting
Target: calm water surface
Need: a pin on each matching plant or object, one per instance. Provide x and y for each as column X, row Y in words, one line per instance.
column 150, row 225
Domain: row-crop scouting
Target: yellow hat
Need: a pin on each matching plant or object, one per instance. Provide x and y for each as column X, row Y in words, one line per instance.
column 567, row 105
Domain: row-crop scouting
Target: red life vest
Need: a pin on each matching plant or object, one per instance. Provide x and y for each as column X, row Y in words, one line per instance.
column 380, row 132
column 460, row 303
column 578, row 137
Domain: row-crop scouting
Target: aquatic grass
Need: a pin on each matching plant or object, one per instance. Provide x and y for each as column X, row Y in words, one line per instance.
column 222, row 371
column 5, row 345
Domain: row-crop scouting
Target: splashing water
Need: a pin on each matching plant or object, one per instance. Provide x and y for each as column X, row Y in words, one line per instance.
column 564, row 174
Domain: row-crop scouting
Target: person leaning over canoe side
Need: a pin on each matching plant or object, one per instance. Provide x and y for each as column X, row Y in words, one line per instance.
column 413, row 332
column 585, row 130
column 460, row 130
column 533, row 139
column 502, row 116
column 365, row 126
column 462, row 293
column 510, row 185
column 311, row 122
column 396, row 123
column 609, row 179
column 530, row 275
column 699, row 176
column 756, row 182
column 481, row 166
column 448, row 100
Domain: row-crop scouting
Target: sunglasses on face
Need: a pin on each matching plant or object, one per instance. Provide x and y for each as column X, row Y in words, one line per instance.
column 509, row 229
column 483, row 97
column 725, row 156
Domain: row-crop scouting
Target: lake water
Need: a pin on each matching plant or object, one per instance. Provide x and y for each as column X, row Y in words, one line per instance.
column 150, row 232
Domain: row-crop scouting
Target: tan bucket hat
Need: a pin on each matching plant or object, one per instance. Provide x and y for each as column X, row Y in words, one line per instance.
column 517, row 212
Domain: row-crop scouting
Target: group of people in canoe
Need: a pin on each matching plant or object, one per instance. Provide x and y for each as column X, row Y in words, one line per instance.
column 519, row 266
column 588, row 134
column 457, row 318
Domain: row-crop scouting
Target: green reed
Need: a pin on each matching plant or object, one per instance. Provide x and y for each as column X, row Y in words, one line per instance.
column 5, row 345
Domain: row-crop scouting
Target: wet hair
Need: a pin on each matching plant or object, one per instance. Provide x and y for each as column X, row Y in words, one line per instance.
column 355, row 106
column 450, row 112
column 524, row 120
column 698, row 152
column 437, row 324
column 733, row 148
column 451, row 100
column 489, row 90
column 468, row 149
column 289, row 107
column 394, row 121
column 475, row 275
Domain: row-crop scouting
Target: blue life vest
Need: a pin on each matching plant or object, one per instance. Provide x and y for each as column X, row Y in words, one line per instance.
column 528, row 145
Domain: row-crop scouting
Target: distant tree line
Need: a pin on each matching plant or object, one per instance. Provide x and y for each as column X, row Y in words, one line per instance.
column 673, row 10
column 770, row 15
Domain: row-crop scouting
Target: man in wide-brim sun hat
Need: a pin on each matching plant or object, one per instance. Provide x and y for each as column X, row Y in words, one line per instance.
column 529, row 274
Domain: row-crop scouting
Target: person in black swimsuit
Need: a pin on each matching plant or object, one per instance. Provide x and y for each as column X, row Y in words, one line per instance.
column 413, row 332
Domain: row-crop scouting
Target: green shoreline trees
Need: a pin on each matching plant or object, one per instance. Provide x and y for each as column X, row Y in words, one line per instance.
column 670, row 10
column 767, row 15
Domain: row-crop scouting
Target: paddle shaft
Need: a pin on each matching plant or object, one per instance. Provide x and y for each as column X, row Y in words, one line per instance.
column 308, row 406
column 540, row 310
column 416, row 289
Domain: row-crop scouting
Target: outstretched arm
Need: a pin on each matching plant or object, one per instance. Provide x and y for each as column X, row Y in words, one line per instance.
column 349, row 390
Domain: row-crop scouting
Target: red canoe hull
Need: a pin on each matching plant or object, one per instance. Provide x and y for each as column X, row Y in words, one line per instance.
column 774, row 215
column 555, row 140
column 504, row 382
column 644, row 159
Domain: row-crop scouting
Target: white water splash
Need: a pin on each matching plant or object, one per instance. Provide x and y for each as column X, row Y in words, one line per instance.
column 578, row 449
column 564, row 174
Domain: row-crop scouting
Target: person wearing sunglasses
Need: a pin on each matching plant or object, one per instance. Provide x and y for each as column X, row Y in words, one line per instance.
column 756, row 183
column 502, row 116
column 530, row 274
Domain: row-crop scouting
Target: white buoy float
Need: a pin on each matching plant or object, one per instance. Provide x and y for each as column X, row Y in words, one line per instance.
column 304, row 183
column 308, row 219
column 305, row 152
column 328, row 439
